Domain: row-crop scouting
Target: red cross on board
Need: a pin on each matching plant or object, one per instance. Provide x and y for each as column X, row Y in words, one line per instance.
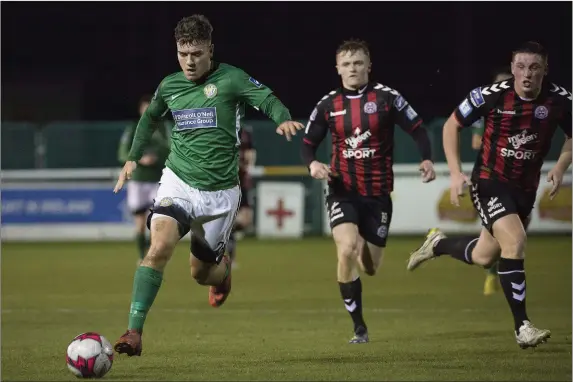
column 280, row 213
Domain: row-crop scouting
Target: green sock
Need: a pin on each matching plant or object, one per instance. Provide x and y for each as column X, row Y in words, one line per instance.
column 141, row 244
column 492, row 270
column 145, row 287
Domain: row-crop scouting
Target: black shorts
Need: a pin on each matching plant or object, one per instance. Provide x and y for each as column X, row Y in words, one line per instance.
column 372, row 215
column 494, row 200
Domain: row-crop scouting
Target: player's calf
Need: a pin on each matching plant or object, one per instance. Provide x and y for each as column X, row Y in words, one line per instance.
column 209, row 267
column 511, row 236
column 219, row 293
column 347, row 239
column 482, row 250
column 232, row 246
column 205, row 263
column 370, row 258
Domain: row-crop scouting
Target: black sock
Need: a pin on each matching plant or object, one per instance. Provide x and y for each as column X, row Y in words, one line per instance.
column 459, row 248
column 231, row 246
column 352, row 296
column 512, row 278
column 141, row 244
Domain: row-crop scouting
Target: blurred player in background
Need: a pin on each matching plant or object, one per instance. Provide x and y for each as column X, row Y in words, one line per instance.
column 199, row 189
column 247, row 158
column 360, row 116
column 521, row 117
column 491, row 284
column 142, row 187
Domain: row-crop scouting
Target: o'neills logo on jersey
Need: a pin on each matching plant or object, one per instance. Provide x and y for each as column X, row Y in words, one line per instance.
column 521, row 139
column 356, row 141
column 202, row 118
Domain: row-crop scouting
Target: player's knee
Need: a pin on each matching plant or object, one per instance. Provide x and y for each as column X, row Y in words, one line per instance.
column 347, row 250
column 158, row 254
column 486, row 259
column 515, row 247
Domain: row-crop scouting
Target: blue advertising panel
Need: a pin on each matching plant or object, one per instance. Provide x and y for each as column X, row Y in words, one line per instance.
column 63, row 205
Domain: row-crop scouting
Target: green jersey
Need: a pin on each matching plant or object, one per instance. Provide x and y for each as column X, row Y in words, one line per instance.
column 158, row 145
column 206, row 136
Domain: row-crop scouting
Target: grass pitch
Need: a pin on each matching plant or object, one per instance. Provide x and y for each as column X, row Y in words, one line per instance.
column 284, row 319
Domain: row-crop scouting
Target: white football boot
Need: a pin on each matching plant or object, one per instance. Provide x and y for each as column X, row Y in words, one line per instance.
column 530, row 336
column 426, row 251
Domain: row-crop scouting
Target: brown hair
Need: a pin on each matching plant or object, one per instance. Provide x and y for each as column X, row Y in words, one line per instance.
column 193, row 29
column 352, row 46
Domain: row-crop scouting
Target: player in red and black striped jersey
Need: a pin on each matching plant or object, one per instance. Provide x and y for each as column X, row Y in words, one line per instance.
column 360, row 117
column 521, row 117
column 491, row 284
column 244, row 219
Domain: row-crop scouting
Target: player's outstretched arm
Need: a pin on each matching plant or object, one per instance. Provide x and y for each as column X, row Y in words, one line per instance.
column 154, row 113
column 260, row 97
column 145, row 127
column 273, row 108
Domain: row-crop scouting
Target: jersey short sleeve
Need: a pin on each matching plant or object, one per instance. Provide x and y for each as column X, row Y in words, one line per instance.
column 249, row 89
column 472, row 108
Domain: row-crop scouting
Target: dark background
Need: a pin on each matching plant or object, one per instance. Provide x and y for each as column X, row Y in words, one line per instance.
column 92, row 61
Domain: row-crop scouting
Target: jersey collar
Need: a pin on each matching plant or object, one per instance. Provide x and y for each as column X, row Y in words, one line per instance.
column 358, row 92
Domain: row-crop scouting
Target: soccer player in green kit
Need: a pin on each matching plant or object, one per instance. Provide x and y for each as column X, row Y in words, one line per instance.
column 142, row 187
column 199, row 189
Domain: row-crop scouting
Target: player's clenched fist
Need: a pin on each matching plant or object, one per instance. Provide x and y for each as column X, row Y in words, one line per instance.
column 289, row 128
column 124, row 175
column 319, row 170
